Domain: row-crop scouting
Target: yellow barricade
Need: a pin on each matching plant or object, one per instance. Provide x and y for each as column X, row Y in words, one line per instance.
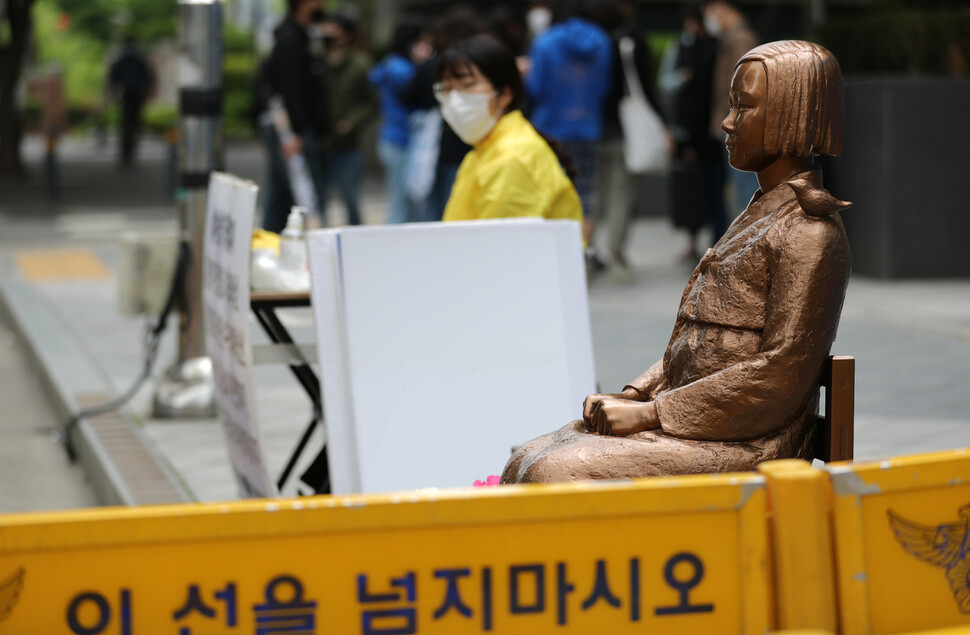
column 856, row 548
column 684, row 555
column 902, row 544
column 801, row 554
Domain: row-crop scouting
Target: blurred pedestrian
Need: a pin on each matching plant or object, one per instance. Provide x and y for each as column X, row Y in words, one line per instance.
column 511, row 171
column 538, row 18
column 507, row 26
column 569, row 79
column 352, row 104
column 697, row 174
column 296, row 76
column 616, row 201
column 448, row 152
column 734, row 38
column 131, row 81
column 390, row 77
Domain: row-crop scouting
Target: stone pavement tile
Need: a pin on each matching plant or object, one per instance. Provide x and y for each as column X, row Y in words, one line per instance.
column 116, row 341
column 902, row 372
column 933, row 306
column 880, row 437
column 35, row 473
column 626, row 343
column 196, row 450
column 60, row 264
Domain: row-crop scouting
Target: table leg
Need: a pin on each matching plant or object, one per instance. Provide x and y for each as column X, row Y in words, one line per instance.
column 311, row 384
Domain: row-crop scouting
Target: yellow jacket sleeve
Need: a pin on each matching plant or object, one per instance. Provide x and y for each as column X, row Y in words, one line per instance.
column 508, row 190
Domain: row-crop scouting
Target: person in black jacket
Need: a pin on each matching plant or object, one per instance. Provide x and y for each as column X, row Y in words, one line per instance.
column 353, row 103
column 697, row 174
column 295, row 75
column 131, row 80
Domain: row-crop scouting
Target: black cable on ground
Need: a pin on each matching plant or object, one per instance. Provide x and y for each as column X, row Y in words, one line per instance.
column 152, row 338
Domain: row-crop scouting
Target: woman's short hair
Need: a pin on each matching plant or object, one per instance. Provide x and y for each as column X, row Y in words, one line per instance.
column 804, row 102
column 407, row 31
column 459, row 23
column 493, row 59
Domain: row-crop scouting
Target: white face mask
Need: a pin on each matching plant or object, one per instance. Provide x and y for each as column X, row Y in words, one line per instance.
column 469, row 114
column 538, row 20
column 712, row 25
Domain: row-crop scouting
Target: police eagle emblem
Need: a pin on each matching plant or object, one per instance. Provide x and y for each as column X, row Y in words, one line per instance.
column 943, row 546
column 10, row 588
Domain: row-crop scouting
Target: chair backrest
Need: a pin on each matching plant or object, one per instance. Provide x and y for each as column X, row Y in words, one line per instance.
column 836, row 429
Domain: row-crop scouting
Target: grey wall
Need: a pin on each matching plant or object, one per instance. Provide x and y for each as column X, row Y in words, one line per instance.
column 906, row 167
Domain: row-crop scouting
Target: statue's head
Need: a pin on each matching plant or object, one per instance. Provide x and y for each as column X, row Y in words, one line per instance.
column 803, row 97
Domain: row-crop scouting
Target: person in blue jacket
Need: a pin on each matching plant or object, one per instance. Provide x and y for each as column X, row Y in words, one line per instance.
column 389, row 78
column 569, row 80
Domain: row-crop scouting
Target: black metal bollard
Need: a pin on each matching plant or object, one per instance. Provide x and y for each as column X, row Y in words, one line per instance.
column 52, row 182
column 172, row 172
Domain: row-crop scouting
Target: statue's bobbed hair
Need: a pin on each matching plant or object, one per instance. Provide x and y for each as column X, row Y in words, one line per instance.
column 804, row 102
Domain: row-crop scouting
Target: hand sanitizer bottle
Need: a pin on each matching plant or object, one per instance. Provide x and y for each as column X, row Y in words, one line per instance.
column 293, row 253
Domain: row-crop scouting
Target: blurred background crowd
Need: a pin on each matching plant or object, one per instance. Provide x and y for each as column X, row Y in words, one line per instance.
column 350, row 88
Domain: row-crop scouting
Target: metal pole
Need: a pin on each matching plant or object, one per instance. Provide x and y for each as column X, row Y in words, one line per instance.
column 385, row 14
column 172, row 161
column 187, row 389
column 52, row 181
column 818, row 13
column 813, row 14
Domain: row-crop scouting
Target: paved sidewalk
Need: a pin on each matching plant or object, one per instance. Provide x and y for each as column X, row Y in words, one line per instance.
column 34, row 470
column 911, row 340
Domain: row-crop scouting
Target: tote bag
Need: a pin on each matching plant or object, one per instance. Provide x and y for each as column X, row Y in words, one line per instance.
column 424, row 141
column 644, row 134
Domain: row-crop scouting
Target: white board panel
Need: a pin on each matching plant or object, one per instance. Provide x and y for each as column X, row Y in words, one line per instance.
column 444, row 345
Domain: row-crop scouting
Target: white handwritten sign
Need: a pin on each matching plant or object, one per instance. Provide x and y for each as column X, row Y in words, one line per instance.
column 225, row 304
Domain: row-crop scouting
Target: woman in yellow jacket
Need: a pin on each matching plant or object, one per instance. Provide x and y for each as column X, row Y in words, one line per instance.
column 512, row 171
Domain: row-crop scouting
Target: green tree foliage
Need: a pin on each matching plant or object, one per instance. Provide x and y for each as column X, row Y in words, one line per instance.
column 109, row 20
column 238, row 72
column 81, row 55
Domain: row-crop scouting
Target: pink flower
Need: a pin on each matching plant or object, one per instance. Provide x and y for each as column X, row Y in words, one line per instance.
column 490, row 481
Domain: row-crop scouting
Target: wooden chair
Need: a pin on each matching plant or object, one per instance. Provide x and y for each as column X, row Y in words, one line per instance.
column 836, row 429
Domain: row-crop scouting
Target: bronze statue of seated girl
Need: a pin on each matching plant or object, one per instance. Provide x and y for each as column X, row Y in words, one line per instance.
column 738, row 383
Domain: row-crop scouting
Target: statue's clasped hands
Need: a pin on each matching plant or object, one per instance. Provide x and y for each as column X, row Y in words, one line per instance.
column 619, row 414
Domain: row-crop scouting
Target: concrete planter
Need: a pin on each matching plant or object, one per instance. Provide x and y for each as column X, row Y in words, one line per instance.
column 906, row 167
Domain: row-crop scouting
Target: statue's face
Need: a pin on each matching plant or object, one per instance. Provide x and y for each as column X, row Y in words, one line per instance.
column 745, row 122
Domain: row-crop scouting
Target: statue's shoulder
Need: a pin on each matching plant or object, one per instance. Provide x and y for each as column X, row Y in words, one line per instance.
column 810, row 222
column 816, row 201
